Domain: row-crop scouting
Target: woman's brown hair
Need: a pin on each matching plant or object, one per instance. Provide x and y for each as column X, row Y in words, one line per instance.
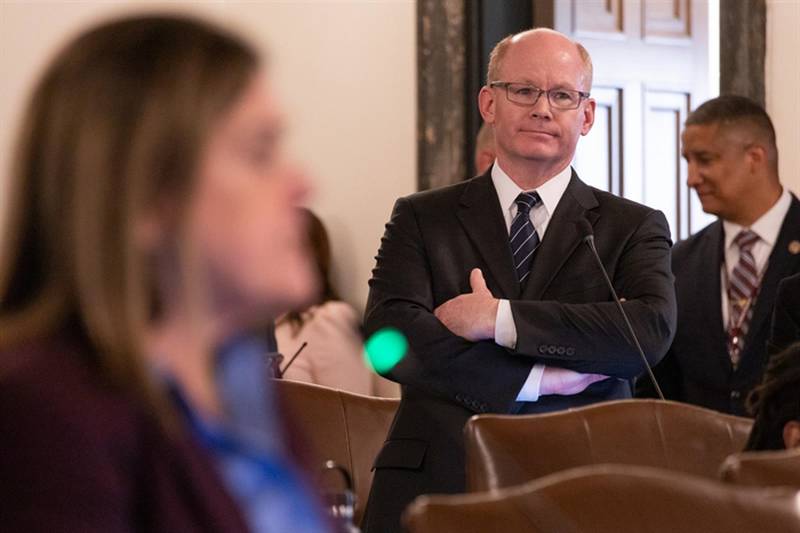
column 115, row 125
column 775, row 401
column 321, row 252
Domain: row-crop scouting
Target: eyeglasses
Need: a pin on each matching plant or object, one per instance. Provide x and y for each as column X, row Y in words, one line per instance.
column 524, row 94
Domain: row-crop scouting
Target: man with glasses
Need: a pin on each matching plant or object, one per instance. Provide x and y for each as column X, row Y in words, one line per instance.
column 502, row 303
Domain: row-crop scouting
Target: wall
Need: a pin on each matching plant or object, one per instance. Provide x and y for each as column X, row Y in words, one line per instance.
column 345, row 70
column 783, row 85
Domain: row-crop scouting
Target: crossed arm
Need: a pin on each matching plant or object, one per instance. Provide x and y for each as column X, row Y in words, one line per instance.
column 473, row 316
column 452, row 351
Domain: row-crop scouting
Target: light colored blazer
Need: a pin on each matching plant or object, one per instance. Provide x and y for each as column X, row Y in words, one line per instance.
column 333, row 356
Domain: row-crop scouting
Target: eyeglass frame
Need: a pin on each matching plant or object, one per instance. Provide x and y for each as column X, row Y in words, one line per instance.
column 582, row 95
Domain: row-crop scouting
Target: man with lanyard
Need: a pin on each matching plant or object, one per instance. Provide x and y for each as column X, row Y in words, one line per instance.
column 726, row 275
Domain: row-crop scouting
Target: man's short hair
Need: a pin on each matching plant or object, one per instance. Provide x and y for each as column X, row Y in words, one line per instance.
column 499, row 52
column 737, row 111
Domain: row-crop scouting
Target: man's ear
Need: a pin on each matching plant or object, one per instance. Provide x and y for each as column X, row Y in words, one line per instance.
column 588, row 116
column 756, row 156
column 486, row 104
column 791, row 434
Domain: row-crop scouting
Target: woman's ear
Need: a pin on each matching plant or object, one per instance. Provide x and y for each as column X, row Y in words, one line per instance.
column 791, row 434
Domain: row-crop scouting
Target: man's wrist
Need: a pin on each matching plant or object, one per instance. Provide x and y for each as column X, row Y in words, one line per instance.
column 505, row 332
column 491, row 323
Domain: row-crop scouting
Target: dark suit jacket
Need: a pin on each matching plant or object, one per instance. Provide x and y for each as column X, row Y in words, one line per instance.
column 697, row 369
column 77, row 455
column 786, row 317
column 564, row 317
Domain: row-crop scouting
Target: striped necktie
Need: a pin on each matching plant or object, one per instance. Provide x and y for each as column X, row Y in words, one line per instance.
column 523, row 237
column 742, row 290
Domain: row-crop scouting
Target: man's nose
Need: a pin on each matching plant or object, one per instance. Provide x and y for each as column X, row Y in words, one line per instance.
column 693, row 178
column 541, row 109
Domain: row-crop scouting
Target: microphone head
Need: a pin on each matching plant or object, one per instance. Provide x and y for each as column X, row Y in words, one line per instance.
column 585, row 229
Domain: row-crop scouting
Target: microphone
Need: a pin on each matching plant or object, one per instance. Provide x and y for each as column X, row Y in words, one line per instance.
column 284, row 369
column 585, row 229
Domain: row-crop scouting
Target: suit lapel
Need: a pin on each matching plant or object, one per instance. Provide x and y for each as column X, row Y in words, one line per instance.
column 781, row 264
column 562, row 236
column 711, row 260
column 482, row 217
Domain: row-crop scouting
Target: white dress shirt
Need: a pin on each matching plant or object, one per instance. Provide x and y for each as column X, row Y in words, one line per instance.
column 767, row 228
column 550, row 192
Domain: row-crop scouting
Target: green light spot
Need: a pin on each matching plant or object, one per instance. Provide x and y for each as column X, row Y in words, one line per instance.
column 384, row 349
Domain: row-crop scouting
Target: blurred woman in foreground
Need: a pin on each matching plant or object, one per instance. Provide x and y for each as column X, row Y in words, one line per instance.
column 153, row 217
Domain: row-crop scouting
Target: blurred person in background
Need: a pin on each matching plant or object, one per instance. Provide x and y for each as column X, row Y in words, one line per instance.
column 776, row 404
column 785, row 328
column 153, row 219
column 332, row 328
column 485, row 153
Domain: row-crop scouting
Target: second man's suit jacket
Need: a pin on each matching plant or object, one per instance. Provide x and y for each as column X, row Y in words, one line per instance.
column 564, row 317
column 697, row 369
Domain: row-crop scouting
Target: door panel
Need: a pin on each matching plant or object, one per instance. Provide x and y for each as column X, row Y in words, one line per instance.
column 650, row 68
column 601, row 150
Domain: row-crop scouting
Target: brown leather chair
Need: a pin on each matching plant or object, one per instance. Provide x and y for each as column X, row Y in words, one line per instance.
column 346, row 428
column 763, row 469
column 503, row 451
column 610, row 499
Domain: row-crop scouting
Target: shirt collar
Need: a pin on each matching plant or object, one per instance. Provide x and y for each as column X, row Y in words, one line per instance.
column 767, row 227
column 550, row 191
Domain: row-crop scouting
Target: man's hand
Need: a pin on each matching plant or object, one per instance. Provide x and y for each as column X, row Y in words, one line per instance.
column 566, row 382
column 471, row 315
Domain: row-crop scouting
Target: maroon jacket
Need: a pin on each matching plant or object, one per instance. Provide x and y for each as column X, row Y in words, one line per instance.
column 78, row 455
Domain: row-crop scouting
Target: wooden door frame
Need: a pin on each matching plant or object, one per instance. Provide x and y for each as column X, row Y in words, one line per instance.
column 449, row 60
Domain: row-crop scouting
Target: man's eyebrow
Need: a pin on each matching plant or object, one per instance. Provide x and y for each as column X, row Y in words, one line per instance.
column 700, row 152
column 564, row 85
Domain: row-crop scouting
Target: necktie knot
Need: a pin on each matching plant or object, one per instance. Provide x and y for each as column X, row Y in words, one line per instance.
column 526, row 200
column 745, row 240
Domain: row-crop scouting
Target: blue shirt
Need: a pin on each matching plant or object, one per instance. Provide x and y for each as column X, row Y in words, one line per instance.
column 248, row 447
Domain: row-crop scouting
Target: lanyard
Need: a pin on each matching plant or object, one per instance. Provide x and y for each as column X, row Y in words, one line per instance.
column 271, row 469
column 746, row 304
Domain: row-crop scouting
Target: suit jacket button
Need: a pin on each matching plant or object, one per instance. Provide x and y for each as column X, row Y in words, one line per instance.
column 561, row 350
column 570, row 351
column 551, row 350
column 735, row 394
column 542, row 348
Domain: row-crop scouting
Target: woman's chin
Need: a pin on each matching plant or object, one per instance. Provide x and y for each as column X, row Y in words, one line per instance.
column 296, row 292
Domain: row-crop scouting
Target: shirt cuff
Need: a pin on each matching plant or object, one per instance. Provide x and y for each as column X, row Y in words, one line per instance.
column 532, row 386
column 505, row 331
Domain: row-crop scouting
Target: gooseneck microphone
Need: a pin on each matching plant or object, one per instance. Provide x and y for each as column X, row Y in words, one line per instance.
column 585, row 229
column 302, row 347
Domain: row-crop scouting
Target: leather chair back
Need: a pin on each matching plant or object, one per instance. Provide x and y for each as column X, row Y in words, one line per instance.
column 349, row 429
column 610, row 499
column 502, row 451
column 763, row 469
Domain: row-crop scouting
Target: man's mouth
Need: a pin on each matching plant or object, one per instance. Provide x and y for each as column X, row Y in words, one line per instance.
column 538, row 132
